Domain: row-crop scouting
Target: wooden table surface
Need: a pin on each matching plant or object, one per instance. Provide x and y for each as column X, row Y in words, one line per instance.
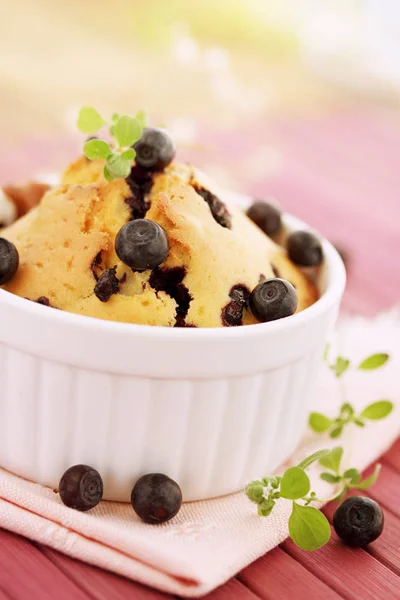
column 342, row 175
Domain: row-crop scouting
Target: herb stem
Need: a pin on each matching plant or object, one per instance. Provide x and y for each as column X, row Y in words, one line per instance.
column 330, row 498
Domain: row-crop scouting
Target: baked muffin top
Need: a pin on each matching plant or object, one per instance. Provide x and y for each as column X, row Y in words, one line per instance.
column 216, row 257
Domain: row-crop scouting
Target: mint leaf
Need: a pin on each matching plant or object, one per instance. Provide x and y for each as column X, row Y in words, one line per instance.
column 118, row 167
column 273, row 481
column 255, row 491
column 377, row 410
column 308, row 527
column 319, row 422
column 341, row 366
column 129, row 154
column 107, row 174
column 333, row 459
column 359, row 422
column 89, row 120
column 353, row 475
column 330, row 478
column 373, row 362
column 306, row 462
column 127, row 131
column 265, row 508
column 369, row 481
column 337, row 432
column 96, row 149
column 141, row 116
column 294, row 483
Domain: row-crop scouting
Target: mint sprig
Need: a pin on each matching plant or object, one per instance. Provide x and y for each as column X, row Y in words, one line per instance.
column 349, row 479
column 321, row 423
column 308, row 526
column 125, row 130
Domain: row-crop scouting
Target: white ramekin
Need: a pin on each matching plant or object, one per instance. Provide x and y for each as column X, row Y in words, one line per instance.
column 211, row 408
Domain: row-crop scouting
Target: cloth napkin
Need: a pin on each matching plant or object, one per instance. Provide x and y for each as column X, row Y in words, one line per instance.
column 210, row 541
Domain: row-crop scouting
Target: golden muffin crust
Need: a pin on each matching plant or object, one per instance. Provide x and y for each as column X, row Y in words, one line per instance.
column 67, row 243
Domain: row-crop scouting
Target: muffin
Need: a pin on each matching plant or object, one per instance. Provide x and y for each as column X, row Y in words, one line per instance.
column 216, row 257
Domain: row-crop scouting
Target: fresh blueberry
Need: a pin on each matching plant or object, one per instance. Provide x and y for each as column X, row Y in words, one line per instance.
column 273, row 299
column 142, row 244
column 266, row 216
column 358, row 521
column 156, row 498
column 81, row 487
column 155, row 150
column 9, row 261
column 304, row 248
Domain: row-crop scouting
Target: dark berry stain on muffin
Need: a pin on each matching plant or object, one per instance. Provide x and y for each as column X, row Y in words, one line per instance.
column 232, row 313
column 43, row 300
column 218, row 208
column 275, row 271
column 107, row 285
column 96, row 267
column 170, row 281
column 140, row 183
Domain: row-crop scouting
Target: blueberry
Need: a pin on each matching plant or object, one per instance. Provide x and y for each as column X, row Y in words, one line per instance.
column 266, row 216
column 9, row 261
column 358, row 521
column 142, row 244
column 273, row 299
column 304, row 248
column 81, row 487
column 155, row 150
column 156, row 498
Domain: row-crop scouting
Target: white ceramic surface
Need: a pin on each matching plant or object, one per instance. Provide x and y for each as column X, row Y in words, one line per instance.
column 212, row 408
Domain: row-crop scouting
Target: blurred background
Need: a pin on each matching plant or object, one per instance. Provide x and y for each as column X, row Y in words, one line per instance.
column 297, row 99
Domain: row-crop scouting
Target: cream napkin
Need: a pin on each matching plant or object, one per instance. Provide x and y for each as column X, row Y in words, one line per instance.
column 210, row 541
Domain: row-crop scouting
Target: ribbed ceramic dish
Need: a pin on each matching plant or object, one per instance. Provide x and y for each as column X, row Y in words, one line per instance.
column 211, row 408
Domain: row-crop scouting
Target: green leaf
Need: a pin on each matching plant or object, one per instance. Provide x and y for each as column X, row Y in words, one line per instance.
column 255, row 491
column 377, row 410
column 129, row 154
column 374, row 362
column 96, row 149
column 306, row 462
column 369, row 481
column 112, row 130
column 294, row 483
column 107, row 174
column 319, row 422
column 273, row 481
column 118, row 167
column 265, row 508
column 308, row 527
column 358, row 422
column 141, row 116
column 333, row 459
column 330, row 478
column 337, row 432
column 114, row 117
column 89, row 120
column 127, row 131
column 341, row 366
column 346, row 411
column 353, row 475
